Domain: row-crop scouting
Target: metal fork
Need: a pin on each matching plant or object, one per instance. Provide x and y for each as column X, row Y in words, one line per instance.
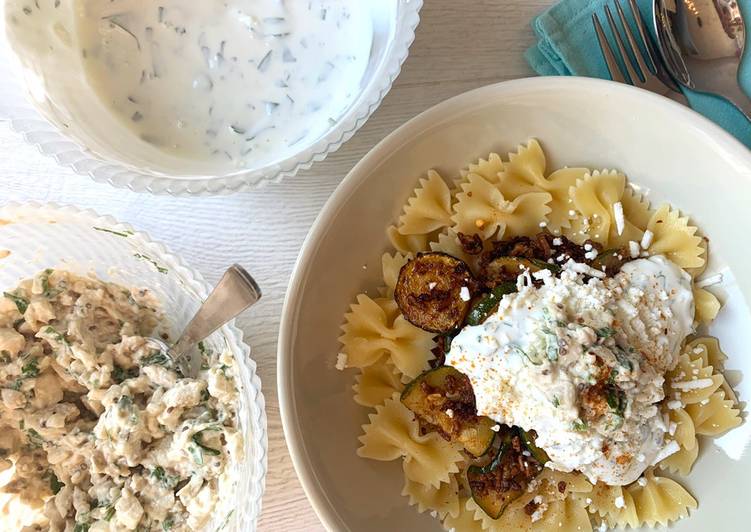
column 652, row 77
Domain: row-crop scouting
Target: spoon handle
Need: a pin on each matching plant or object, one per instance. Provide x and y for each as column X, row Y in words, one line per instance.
column 735, row 95
column 235, row 292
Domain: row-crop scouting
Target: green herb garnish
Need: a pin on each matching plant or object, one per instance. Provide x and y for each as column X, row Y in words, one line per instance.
column 168, row 523
column 110, row 513
column 56, row 335
column 157, row 358
column 30, row 369
column 196, row 453
column 579, row 425
column 124, row 234
column 160, row 269
column 55, row 484
column 35, row 439
column 198, row 440
column 21, row 303
column 119, row 374
column 616, row 400
column 81, row 527
column 605, row 332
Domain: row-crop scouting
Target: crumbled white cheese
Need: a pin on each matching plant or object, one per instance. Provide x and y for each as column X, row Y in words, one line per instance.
column 619, row 502
column 671, row 448
column 572, row 212
column 674, row 404
column 646, row 239
column 590, row 255
column 557, row 241
column 709, row 281
column 587, row 247
column 341, row 361
column 642, row 481
column 464, row 294
column 586, row 269
column 543, row 224
column 495, row 428
column 633, row 249
column 620, row 220
column 432, row 285
column 693, row 385
column 449, row 413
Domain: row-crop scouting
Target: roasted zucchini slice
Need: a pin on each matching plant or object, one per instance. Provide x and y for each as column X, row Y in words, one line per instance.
column 443, row 397
column 529, row 438
column 505, row 479
column 610, row 261
column 486, row 305
column 434, row 291
column 507, row 269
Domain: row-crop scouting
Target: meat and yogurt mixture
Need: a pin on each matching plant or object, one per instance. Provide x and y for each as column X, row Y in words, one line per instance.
column 579, row 358
column 101, row 433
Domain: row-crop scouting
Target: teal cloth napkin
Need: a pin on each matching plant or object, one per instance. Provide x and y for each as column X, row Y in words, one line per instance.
column 567, row 46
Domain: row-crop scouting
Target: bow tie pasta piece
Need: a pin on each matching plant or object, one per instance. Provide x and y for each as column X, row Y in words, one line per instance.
column 391, row 265
column 675, row 238
column 374, row 328
column 683, row 460
column 429, row 209
column 489, row 169
column 443, row 500
column 465, row 520
column 708, row 349
column 408, row 243
column 717, row 415
column 612, row 504
column 706, row 305
column 690, row 381
column 449, row 243
column 393, row 433
column 525, row 173
column 607, row 213
column 376, row 383
column 481, row 209
column 661, row 500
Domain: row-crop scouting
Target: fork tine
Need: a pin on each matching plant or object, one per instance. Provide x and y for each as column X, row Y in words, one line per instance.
column 607, row 51
column 645, row 72
column 643, row 34
column 635, row 78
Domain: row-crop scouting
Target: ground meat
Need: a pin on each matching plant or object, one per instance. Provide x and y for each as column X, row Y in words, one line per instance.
column 471, row 244
column 513, row 473
column 541, row 247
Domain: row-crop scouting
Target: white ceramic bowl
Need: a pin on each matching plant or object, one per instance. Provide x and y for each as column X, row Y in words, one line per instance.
column 30, row 111
column 49, row 236
column 680, row 156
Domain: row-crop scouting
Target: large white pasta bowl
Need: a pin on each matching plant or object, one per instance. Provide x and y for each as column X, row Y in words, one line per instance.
column 670, row 151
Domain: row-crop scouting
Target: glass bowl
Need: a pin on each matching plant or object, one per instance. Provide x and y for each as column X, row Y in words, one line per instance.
column 44, row 125
column 49, row 236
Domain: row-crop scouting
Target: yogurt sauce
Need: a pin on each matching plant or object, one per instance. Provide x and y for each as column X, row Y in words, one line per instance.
column 582, row 364
column 237, row 82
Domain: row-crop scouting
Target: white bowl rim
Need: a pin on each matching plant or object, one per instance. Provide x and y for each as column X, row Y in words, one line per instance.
column 241, row 349
column 83, row 161
column 325, row 511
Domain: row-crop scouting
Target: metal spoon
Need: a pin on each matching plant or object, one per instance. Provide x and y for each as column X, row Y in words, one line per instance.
column 702, row 43
column 235, row 292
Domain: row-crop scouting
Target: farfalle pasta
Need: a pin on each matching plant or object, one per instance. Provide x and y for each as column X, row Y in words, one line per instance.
column 393, row 433
column 512, row 225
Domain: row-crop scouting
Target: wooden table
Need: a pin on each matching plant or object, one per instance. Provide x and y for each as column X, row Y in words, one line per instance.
column 460, row 45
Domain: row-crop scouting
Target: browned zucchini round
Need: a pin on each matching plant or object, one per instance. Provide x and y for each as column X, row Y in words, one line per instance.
column 505, row 479
column 434, row 291
column 443, row 397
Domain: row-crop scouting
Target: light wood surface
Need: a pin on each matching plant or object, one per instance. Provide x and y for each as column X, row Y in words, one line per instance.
column 460, row 45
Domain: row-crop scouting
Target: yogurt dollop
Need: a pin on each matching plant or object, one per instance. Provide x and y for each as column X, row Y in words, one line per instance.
column 582, row 364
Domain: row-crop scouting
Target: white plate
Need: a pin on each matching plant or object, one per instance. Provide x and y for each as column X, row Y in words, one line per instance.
column 672, row 151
